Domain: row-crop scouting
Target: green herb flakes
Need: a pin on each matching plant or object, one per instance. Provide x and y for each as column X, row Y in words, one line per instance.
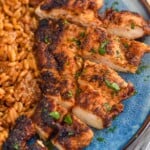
column 132, row 25
column 55, row 115
column 69, row 94
column 114, row 5
column 135, row 92
column 107, row 106
column 92, row 50
column 142, row 68
column 77, row 74
column 48, row 144
column 70, row 133
column 16, row 146
column 126, row 45
column 114, row 86
column 100, row 139
column 102, row 48
column 111, row 129
column 77, row 41
column 47, row 40
column 102, row 51
column 68, row 119
column 65, row 21
column 82, row 34
column 78, row 91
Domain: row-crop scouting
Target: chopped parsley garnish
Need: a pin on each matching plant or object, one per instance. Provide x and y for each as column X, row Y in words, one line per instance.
column 47, row 40
column 115, row 118
column 142, row 68
column 114, row 86
column 77, row 41
column 135, row 92
column 77, row 74
column 100, row 139
column 111, row 129
column 132, row 25
column 92, row 50
column 114, row 5
column 70, row 133
column 55, row 115
column 78, row 91
column 48, row 144
column 102, row 48
column 69, row 94
column 82, row 34
column 68, row 119
column 107, row 106
column 126, row 45
column 16, row 146
column 102, row 51
column 65, row 21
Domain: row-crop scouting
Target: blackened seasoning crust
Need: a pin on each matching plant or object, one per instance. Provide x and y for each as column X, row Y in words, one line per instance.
column 60, row 60
column 67, row 4
column 74, row 136
column 44, row 122
column 49, row 4
column 20, row 134
column 47, row 37
column 49, row 76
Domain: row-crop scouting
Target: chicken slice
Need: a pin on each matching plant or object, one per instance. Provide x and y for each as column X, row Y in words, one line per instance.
column 118, row 53
column 73, row 135
column 47, row 115
column 20, row 134
column 57, row 45
column 101, row 91
column 82, row 12
column 126, row 24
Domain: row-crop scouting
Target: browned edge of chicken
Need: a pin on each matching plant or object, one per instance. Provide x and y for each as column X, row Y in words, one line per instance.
column 126, row 24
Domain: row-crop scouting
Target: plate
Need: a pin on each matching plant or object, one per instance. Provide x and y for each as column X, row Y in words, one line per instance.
column 137, row 108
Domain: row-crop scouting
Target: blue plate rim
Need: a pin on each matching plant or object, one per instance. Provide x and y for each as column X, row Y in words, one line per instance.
column 138, row 133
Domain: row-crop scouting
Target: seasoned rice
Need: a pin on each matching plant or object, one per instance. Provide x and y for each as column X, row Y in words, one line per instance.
column 19, row 90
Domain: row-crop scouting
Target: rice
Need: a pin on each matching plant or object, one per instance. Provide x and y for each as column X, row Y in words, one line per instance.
column 19, row 90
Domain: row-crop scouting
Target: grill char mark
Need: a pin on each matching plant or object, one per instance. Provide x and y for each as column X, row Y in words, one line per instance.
column 47, row 41
column 20, row 134
column 50, row 4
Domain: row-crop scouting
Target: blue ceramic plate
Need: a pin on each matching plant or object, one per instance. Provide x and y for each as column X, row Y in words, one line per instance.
column 137, row 108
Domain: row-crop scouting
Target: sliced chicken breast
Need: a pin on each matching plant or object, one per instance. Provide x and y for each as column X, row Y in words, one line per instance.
column 101, row 92
column 73, row 134
column 81, row 12
column 23, row 130
column 126, row 24
column 120, row 54
column 46, row 117
column 57, row 47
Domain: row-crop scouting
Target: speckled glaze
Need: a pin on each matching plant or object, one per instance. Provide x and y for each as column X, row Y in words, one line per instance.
column 137, row 108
